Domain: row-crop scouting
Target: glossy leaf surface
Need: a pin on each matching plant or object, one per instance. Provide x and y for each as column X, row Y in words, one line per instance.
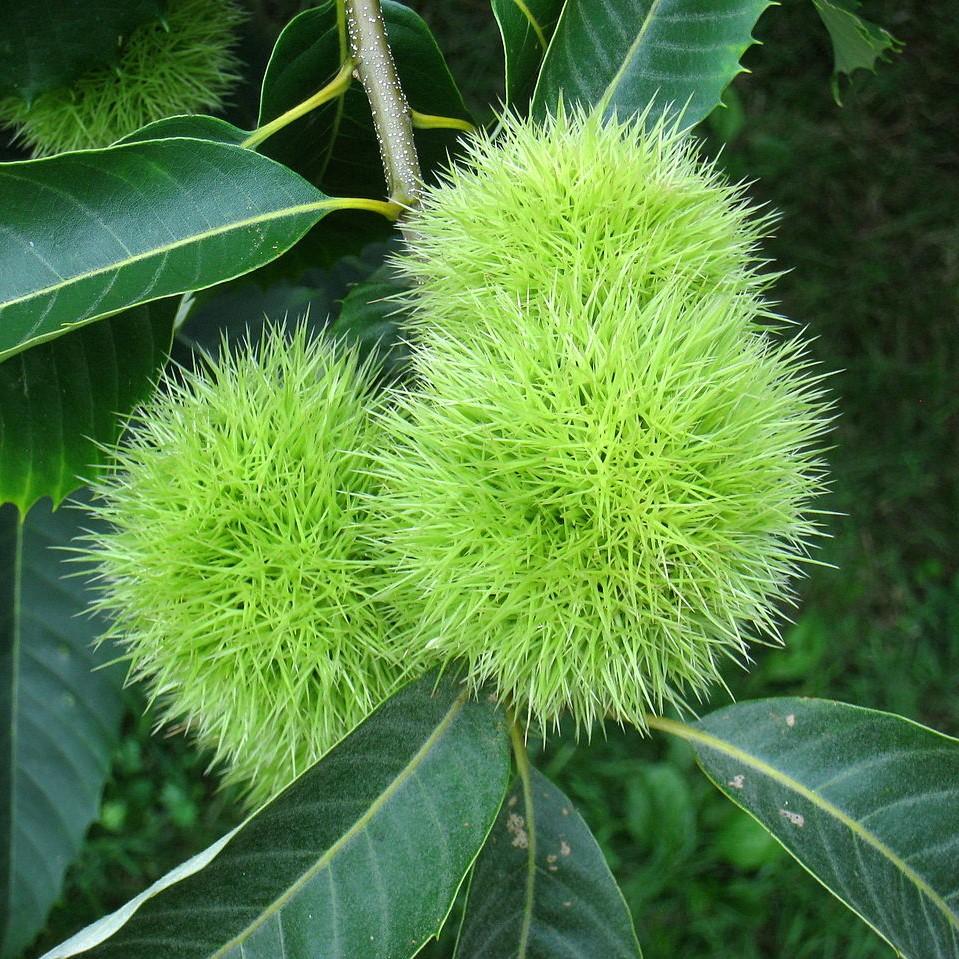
column 195, row 125
column 541, row 887
column 359, row 858
column 627, row 53
column 62, row 400
column 59, row 717
column 867, row 801
column 91, row 233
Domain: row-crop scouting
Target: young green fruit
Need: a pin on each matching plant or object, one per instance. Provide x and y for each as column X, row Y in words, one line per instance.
column 235, row 568
column 182, row 64
column 585, row 200
column 601, row 487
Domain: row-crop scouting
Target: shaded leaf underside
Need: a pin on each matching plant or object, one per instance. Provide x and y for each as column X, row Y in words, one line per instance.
column 360, row 856
column 62, row 402
column 868, row 802
column 541, row 887
column 60, row 717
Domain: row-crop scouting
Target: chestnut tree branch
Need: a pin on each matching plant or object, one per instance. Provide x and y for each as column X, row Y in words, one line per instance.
column 392, row 118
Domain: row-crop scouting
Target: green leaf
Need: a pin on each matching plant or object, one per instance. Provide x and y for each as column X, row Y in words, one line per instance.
column 374, row 323
column 59, row 719
column 627, row 53
column 306, row 56
column 744, row 844
column 50, row 44
column 525, row 26
column 195, row 125
column 335, row 146
column 857, row 43
column 244, row 308
column 661, row 819
column 541, row 887
column 89, row 234
column 867, row 801
column 360, row 857
column 62, row 402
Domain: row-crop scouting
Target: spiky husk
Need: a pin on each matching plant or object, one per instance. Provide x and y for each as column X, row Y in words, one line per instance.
column 234, row 566
column 601, row 487
column 583, row 196
column 182, row 64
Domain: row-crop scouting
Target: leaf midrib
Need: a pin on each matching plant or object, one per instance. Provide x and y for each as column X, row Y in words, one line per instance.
column 868, row 837
column 168, row 247
column 399, row 780
column 533, row 23
column 617, row 79
column 526, row 779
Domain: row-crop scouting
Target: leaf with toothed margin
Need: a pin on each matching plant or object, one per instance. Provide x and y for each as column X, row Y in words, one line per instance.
column 628, row 53
column 59, row 716
column 857, row 43
column 359, row 858
column 62, row 402
column 541, row 887
column 867, row 801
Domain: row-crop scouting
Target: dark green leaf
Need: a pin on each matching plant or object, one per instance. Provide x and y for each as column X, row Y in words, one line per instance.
column 857, row 43
column 867, row 801
column 195, row 125
column 359, row 858
column 525, row 26
column 59, row 719
column 241, row 311
column 334, row 145
column 541, row 888
column 307, row 55
column 628, row 53
column 243, row 308
column 61, row 401
column 89, row 234
column 50, row 44
column 669, row 822
column 373, row 322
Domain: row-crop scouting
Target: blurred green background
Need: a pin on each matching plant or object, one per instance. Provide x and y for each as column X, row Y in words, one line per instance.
column 870, row 232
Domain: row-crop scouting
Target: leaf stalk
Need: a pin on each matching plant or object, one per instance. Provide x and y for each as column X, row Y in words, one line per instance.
column 387, row 208
column 427, row 121
column 336, row 87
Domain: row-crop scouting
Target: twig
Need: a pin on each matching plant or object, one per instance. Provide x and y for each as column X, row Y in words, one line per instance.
column 391, row 113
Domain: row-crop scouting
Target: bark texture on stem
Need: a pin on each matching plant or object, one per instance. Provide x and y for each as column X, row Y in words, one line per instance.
column 391, row 113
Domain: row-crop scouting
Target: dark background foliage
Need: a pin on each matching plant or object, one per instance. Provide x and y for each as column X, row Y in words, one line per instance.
column 869, row 213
